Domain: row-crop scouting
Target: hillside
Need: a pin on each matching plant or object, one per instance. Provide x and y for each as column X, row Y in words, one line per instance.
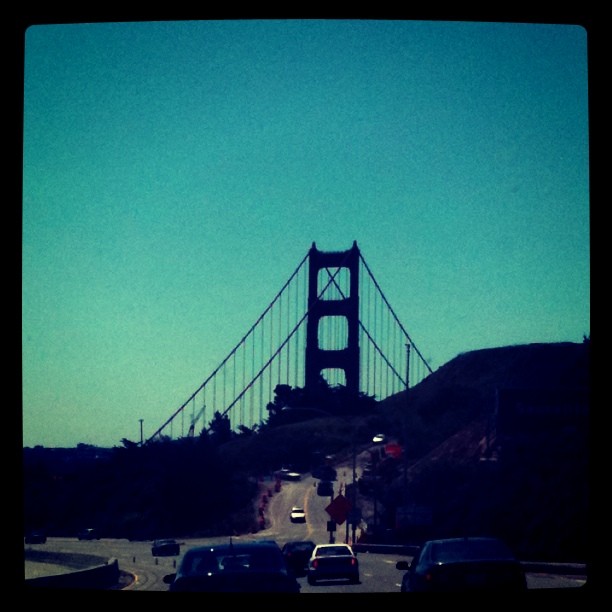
column 464, row 389
column 532, row 487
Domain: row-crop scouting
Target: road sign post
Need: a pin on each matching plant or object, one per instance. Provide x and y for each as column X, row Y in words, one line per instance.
column 331, row 527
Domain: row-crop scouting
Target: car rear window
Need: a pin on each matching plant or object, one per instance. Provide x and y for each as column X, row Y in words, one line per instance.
column 469, row 551
column 212, row 561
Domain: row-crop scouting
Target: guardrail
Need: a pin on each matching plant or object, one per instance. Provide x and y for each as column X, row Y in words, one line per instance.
column 566, row 569
column 100, row 577
column 390, row 549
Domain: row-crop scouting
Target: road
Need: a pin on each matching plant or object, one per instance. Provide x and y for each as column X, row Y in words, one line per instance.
column 378, row 573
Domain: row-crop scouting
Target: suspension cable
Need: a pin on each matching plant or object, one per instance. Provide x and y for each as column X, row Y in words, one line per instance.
column 222, row 364
column 394, row 315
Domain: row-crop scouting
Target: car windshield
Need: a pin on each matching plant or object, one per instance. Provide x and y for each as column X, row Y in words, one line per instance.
column 472, row 550
column 215, row 561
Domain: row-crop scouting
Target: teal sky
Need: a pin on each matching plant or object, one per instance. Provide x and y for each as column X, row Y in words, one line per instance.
column 176, row 173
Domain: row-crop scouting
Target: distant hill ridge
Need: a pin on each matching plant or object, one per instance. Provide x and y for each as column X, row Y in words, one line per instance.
column 563, row 364
column 461, row 395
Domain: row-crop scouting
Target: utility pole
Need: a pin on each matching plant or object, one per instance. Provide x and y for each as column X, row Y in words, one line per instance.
column 354, row 492
column 141, row 438
column 404, row 424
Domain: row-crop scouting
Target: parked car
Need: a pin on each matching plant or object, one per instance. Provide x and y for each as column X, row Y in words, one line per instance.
column 297, row 554
column 245, row 567
column 166, row 548
column 332, row 561
column 297, row 515
column 463, row 564
column 35, row 537
column 89, row 533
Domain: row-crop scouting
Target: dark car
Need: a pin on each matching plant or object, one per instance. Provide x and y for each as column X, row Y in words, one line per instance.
column 325, row 488
column 296, row 554
column 245, row 567
column 89, row 533
column 333, row 561
column 35, row 537
column 324, row 472
column 463, row 564
column 165, row 548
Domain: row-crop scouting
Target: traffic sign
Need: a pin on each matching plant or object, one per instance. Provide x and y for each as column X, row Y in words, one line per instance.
column 393, row 450
column 338, row 509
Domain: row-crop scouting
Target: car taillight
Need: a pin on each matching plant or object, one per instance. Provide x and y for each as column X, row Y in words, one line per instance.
column 315, row 563
column 353, row 561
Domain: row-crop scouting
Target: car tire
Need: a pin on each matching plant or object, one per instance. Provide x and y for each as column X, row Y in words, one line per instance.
column 311, row 580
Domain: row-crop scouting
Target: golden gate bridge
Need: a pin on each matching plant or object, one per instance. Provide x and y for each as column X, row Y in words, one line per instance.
column 330, row 319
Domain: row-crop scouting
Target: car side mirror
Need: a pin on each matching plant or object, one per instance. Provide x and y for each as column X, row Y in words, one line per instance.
column 169, row 578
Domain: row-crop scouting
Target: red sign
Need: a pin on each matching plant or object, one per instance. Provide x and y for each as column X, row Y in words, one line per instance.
column 393, row 450
column 338, row 509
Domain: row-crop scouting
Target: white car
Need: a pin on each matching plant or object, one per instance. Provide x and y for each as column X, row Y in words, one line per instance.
column 286, row 474
column 331, row 562
column 297, row 515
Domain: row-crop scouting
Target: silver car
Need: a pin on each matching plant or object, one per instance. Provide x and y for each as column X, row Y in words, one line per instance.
column 331, row 562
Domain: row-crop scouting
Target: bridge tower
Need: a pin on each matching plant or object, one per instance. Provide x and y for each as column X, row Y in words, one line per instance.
column 318, row 359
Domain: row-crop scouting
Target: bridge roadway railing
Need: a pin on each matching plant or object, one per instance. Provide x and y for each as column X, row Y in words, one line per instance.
column 566, row 569
column 69, row 571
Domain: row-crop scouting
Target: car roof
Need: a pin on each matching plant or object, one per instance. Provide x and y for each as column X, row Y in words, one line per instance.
column 236, row 546
column 468, row 548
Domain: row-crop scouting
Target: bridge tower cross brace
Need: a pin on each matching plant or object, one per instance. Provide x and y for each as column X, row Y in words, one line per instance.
column 318, row 359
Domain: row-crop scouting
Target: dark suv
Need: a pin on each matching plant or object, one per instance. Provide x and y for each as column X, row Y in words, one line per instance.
column 245, row 567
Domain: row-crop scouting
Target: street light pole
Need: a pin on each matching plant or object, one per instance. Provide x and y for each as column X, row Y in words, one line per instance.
column 354, row 492
column 351, row 520
column 404, row 423
column 141, row 438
